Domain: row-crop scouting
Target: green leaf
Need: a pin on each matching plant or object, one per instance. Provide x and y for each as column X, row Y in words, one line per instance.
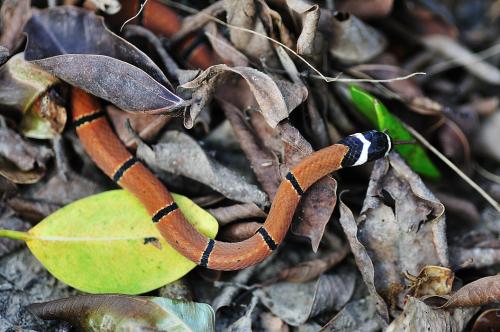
column 106, row 243
column 382, row 119
column 128, row 313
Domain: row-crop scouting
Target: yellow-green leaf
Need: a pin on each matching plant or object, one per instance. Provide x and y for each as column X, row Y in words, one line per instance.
column 106, row 243
column 382, row 119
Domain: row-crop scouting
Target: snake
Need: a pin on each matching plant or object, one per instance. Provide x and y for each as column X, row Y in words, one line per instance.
column 112, row 157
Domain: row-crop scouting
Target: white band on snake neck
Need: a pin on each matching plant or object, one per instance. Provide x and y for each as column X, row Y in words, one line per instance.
column 363, row 157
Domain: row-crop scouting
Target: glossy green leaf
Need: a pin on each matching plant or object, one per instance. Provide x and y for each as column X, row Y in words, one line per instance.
column 106, row 243
column 128, row 313
column 382, row 119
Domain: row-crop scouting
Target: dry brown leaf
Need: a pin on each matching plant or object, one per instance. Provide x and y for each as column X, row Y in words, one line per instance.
column 353, row 41
column 265, row 91
column 228, row 214
column 245, row 14
column 401, row 225
column 13, row 16
column 480, row 292
column 329, row 292
column 488, row 321
column 147, row 126
column 363, row 260
column 309, row 16
column 308, row 270
column 432, row 280
column 180, row 154
column 239, row 231
column 417, row 316
column 225, row 51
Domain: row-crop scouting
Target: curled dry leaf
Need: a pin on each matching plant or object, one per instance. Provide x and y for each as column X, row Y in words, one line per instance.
column 178, row 153
column 488, row 321
column 309, row 15
column 240, row 231
column 432, row 280
column 363, row 260
column 480, row 292
column 417, row 316
column 245, row 14
column 21, row 83
column 266, row 92
column 100, row 62
column 13, row 16
column 401, row 225
column 121, row 312
column 227, row 52
column 328, row 292
column 21, row 161
column 308, row 270
column 146, row 126
column 228, row 214
column 353, row 41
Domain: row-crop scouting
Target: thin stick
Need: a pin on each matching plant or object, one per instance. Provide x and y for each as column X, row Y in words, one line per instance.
column 327, row 79
column 138, row 13
column 428, row 145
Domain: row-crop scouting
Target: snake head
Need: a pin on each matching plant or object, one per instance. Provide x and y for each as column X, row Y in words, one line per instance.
column 365, row 147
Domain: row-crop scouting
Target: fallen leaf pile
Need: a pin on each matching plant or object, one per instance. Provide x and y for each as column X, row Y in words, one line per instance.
column 220, row 99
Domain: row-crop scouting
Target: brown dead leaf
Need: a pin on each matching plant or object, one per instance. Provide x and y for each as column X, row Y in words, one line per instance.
column 266, row 92
column 417, row 316
column 146, row 126
column 223, row 48
column 363, row 260
column 239, row 231
column 488, row 321
column 228, row 214
column 245, row 14
column 401, row 224
column 180, row 154
column 328, row 292
column 309, row 16
column 308, row 270
column 480, row 292
column 353, row 41
column 432, row 280
column 13, row 16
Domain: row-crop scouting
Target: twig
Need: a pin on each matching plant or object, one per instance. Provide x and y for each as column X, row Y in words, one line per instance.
column 428, row 145
column 133, row 17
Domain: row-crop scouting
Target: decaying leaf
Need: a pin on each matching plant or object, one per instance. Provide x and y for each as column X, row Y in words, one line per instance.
column 489, row 320
column 402, row 225
column 100, row 62
column 21, row 161
column 228, row 214
column 121, row 312
column 353, row 41
column 417, row 316
column 21, row 83
column 309, row 15
column 13, row 16
column 432, row 280
column 363, row 260
column 266, row 92
column 45, row 119
column 240, row 231
column 178, row 153
column 326, row 293
column 227, row 52
column 480, row 292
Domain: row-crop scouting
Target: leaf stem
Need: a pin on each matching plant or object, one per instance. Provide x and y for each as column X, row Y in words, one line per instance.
column 15, row 235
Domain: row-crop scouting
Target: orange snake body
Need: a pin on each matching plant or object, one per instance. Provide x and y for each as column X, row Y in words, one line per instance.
column 110, row 155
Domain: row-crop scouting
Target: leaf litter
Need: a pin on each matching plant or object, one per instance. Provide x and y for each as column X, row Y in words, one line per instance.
column 220, row 104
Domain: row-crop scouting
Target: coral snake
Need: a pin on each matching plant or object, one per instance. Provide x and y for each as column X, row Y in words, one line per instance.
column 110, row 155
